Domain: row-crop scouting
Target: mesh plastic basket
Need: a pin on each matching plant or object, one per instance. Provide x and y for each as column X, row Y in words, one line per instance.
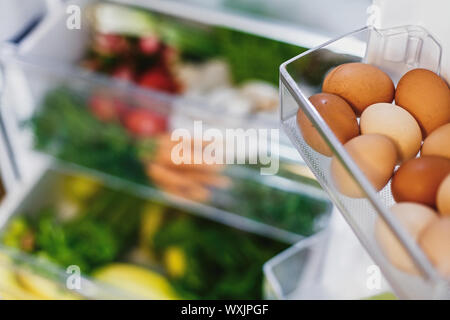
column 395, row 51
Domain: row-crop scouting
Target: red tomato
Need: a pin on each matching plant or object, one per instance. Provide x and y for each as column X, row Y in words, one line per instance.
column 144, row 123
column 169, row 55
column 110, row 44
column 124, row 73
column 158, row 79
column 149, row 45
column 106, row 107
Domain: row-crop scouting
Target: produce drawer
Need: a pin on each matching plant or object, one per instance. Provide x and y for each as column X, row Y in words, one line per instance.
column 52, row 107
column 124, row 246
column 26, row 277
column 214, row 63
column 394, row 51
column 123, row 131
column 197, row 64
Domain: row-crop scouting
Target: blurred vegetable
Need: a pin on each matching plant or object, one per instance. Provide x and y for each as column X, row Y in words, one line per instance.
column 192, row 181
column 98, row 234
column 110, row 44
column 175, row 261
column 44, row 288
column 126, row 44
column 137, row 281
column 218, row 262
column 159, row 79
column 83, row 242
column 65, row 128
column 196, row 43
column 202, row 258
column 252, row 57
column 17, row 231
column 137, row 152
column 80, row 188
column 151, row 219
column 149, row 45
column 105, row 107
column 249, row 56
column 10, row 288
column 124, row 72
column 285, row 210
column 111, row 18
column 66, row 245
column 144, row 123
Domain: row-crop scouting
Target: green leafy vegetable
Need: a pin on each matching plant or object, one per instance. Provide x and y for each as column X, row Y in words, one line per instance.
column 253, row 57
column 65, row 128
column 286, row 210
column 100, row 232
column 193, row 41
column 218, row 262
column 221, row 263
column 85, row 243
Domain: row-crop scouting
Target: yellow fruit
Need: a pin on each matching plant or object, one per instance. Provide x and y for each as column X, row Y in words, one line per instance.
column 44, row 288
column 10, row 288
column 152, row 218
column 139, row 282
column 80, row 187
column 175, row 261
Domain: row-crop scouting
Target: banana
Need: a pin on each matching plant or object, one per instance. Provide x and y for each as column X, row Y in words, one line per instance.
column 138, row 281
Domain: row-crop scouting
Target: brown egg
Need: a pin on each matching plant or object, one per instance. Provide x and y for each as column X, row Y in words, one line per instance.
column 435, row 241
column 360, row 84
column 443, row 197
column 414, row 218
column 417, row 180
column 396, row 123
column 337, row 114
column 376, row 156
column 426, row 96
column 438, row 142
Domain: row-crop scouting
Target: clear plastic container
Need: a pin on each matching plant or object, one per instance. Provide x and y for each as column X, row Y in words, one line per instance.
column 50, row 111
column 66, row 197
column 395, row 51
column 294, row 272
column 26, row 277
column 53, row 42
column 44, row 65
column 16, row 267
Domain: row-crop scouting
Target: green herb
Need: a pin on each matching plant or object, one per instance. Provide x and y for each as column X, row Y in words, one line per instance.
column 85, row 243
column 286, row 210
column 194, row 42
column 249, row 56
column 221, row 263
column 252, row 57
column 101, row 231
column 64, row 127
